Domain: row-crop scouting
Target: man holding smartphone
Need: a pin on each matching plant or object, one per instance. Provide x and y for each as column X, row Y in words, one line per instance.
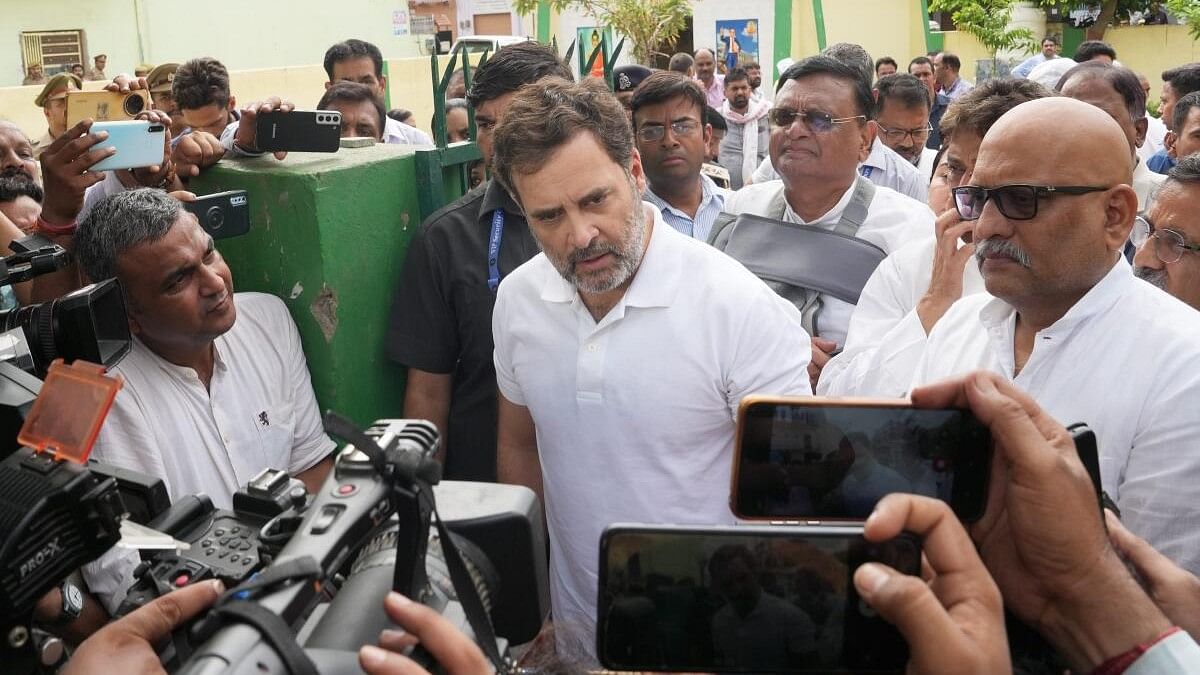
column 624, row 349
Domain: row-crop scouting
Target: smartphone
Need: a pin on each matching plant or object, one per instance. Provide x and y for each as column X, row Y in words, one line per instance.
column 299, row 130
column 774, row 599
column 139, row 143
column 831, row 459
column 105, row 106
column 222, row 215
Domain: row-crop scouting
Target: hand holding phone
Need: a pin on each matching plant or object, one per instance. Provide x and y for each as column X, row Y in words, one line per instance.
column 138, row 143
column 246, row 136
column 222, row 215
column 953, row 626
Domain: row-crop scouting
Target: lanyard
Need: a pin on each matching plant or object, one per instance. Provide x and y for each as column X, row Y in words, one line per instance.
column 494, row 249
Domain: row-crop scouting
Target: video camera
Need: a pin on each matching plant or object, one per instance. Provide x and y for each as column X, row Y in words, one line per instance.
column 308, row 573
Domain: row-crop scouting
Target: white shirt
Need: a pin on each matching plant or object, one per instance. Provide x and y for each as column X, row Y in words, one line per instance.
column 1156, row 134
column 886, row 338
column 1177, row 654
column 403, row 134
column 1146, row 183
column 925, row 167
column 884, row 167
column 1123, row 360
column 635, row 414
column 259, row 410
column 893, row 220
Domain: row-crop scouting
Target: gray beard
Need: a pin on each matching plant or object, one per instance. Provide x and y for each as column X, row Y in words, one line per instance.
column 1151, row 276
column 628, row 255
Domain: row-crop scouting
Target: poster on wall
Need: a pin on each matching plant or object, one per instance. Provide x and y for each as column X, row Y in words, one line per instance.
column 400, row 22
column 587, row 38
column 737, row 42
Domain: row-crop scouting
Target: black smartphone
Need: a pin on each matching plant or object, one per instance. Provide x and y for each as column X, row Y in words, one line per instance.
column 768, row 599
column 813, row 460
column 222, row 215
column 298, row 130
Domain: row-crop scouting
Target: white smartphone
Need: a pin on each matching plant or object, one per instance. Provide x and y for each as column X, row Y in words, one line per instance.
column 139, row 143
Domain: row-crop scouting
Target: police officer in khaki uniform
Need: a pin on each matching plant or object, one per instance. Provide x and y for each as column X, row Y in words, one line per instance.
column 159, row 81
column 53, row 102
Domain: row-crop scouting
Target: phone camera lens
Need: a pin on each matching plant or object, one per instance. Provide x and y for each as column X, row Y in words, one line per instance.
column 214, row 218
column 133, row 104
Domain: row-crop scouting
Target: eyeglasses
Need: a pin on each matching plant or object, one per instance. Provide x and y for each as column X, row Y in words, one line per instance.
column 655, row 132
column 1169, row 245
column 1016, row 202
column 898, row 135
column 815, row 120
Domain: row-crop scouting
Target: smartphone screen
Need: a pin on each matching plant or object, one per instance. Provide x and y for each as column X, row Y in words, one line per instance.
column 745, row 599
column 809, row 459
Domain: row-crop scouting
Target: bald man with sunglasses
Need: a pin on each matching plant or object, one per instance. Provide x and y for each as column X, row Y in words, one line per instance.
column 1066, row 320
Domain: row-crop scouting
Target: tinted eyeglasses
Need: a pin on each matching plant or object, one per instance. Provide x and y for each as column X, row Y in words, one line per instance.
column 1169, row 245
column 656, row 132
column 919, row 136
column 1016, row 202
column 815, row 120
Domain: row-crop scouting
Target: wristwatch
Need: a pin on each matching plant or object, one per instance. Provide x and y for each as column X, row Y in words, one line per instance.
column 72, row 605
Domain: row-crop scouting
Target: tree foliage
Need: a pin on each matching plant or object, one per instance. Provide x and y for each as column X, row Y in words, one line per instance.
column 988, row 22
column 647, row 24
column 1188, row 12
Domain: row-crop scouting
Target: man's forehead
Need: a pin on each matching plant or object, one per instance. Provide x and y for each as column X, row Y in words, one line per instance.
column 11, row 134
column 354, row 67
column 819, row 89
column 669, row 110
column 1174, row 207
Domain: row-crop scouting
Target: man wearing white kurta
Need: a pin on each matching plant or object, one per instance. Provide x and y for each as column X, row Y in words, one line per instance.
column 624, row 349
column 1070, row 324
column 906, row 297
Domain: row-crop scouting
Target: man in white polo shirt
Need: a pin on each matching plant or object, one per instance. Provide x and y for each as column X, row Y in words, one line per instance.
column 624, row 349
column 1067, row 321
column 819, row 127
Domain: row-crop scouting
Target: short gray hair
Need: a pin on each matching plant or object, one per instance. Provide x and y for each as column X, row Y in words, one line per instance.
column 120, row 222
column 854, row 56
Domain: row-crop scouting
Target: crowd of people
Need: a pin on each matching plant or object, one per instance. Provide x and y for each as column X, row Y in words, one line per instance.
column 580, row 324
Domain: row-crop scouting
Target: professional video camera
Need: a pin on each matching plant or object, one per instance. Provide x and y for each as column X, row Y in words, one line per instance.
column 308, row 574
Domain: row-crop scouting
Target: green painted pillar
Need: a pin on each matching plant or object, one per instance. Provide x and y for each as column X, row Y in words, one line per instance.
column 1071, row 38
column 328, row 235
column 934, row 42
column 783, row 34
column 543, row 22
column 819, row 19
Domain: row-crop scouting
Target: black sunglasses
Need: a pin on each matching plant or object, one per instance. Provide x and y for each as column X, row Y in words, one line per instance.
column 1016, row 202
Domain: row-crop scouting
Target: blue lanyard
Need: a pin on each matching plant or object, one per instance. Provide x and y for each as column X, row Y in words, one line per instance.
column 494, row 249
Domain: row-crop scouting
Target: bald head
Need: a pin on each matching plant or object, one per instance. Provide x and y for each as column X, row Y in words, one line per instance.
column 1041, row 257
column 1033, row 145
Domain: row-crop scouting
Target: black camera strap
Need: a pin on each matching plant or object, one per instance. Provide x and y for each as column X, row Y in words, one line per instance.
column 237, row 605
column 468, row 593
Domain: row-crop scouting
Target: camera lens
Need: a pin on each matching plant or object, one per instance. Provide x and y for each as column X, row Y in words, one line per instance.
column 214, row 218
column 133, row 104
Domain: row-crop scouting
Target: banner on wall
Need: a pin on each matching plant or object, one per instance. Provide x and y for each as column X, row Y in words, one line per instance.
column 587, row 38
column 737, row 42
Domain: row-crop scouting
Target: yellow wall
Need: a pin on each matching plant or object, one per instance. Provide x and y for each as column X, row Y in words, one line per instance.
column 967, row 49
column 881, row 26
column 409, row 83
column 1152, row 49
column 804, row 31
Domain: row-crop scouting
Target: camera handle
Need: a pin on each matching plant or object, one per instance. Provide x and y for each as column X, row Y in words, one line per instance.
column 32, row 256
column 412, row 476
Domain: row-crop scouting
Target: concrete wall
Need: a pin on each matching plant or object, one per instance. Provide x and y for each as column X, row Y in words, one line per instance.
column 1152, row 49
column 243, row 34
column 882, row 26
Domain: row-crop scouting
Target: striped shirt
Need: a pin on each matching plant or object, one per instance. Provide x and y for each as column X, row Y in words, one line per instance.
column 711, row 204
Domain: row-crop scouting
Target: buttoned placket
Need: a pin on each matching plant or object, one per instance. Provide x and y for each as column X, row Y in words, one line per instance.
column 593, row 348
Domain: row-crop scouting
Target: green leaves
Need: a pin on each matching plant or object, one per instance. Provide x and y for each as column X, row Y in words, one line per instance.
column 647, row 24
column 1187, row 11
column 987, row 21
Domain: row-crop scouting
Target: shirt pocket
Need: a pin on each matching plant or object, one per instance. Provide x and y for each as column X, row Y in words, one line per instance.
column 275, row 427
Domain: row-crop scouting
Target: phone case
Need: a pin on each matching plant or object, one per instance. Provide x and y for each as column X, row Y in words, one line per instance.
column 970, row 497
column 139, row 143
column 299, row 130
column 105, row 106
column 222, row 215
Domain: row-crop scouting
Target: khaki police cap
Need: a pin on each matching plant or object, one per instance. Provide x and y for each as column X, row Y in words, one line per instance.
column 57, row 87
column 160, row 79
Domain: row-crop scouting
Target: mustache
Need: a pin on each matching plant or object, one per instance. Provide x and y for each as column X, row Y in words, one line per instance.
column 1151, row 276
column 593, row 250
column 1001, row 247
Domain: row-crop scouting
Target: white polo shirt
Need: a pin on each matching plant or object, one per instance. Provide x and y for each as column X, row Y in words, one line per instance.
column 886, row 338
column 893, row 220
column 635, row 414
column 1124, row 360
column 258, row 412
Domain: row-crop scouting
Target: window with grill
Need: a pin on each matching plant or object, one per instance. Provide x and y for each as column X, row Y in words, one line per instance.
column 56, row 50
